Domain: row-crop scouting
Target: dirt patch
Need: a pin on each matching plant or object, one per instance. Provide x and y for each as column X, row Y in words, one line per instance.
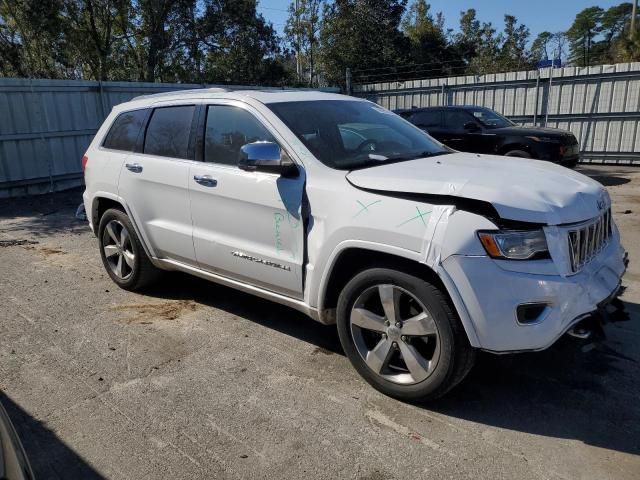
column 13, row 243
column 51, row 251
column 144, row 313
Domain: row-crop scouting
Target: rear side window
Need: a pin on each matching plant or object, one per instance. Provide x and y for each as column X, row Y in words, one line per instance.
column 228, row 129
column 427, row 119
column 124, row 132
column 169, row 131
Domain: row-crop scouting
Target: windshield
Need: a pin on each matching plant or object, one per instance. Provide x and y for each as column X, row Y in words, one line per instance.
column 489, row 118
column 347, row 135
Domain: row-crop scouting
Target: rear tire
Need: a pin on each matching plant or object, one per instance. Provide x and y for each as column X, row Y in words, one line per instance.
column 122, row 254
column 517, row 153
column 419, row 354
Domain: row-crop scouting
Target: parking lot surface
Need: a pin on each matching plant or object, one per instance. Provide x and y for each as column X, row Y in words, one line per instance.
column 194, row 380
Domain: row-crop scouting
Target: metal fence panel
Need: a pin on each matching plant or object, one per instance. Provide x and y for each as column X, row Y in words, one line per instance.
column 47, row 125
column 600, row 105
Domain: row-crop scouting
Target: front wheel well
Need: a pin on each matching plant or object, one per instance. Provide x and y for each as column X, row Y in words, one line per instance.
column 504, row 149
column 352, row 261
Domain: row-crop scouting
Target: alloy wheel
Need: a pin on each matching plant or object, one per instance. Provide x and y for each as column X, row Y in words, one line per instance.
column 118, row 249
column 395, row 334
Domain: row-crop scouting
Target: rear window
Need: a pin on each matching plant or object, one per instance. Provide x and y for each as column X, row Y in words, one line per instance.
column 124, row 132
column 169, row 131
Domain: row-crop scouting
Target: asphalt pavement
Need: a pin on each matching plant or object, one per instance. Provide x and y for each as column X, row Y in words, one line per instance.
column 194, row 380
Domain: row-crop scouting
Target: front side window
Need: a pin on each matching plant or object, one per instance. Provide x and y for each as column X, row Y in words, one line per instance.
column 456, row 119
column 169, row 131
column 228, row 128
column 346, row 134
column 124, row 132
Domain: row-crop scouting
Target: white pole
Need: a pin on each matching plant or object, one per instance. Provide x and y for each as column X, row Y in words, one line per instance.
column 632, row 29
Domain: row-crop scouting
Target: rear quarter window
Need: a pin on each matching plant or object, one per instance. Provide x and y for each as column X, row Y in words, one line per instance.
column 124, row 132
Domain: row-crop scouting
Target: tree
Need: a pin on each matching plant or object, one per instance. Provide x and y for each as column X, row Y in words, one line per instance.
column 614, row 21
column 513, row 49
column 581, row 35
column 430, row 49
column 540, row 47
column 362, row 34
column 91, row 33
column 619, row 44
column 31, row 38
column 302, row 32
column 241, row 46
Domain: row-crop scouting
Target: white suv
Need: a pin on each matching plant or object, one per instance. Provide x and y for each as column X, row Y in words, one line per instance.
column 343, row 210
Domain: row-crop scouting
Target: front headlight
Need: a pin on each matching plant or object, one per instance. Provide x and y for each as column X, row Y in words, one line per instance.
column 544, row 139
column 515, row 245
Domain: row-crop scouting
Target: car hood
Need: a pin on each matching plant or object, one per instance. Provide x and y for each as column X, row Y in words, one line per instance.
column 519, row 189
column 531, row 131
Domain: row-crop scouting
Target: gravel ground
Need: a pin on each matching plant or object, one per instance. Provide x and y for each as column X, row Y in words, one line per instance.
column 194, row 380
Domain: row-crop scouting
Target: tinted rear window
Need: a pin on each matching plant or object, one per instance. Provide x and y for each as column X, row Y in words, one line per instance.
column 169, row 131
column 123, row 134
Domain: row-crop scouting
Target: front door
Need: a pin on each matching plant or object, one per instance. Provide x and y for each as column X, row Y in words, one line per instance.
column 246, row 225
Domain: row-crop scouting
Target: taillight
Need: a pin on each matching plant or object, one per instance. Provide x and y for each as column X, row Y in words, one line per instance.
column 85, row 159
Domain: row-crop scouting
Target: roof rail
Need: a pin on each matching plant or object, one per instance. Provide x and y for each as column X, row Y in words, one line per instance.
column 177, row 92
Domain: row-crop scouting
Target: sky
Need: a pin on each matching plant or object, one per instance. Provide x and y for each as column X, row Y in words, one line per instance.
column 538, row 15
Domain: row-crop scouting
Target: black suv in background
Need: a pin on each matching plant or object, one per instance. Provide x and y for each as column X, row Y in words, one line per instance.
column 481, row 130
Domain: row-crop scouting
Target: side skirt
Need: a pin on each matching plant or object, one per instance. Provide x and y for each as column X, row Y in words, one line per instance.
column 299, row 305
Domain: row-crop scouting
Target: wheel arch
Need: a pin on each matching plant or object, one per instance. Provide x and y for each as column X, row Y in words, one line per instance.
column 354, row 259
column 102, row 202
column 508, row 147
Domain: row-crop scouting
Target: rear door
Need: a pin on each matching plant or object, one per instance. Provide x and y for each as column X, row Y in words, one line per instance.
column 154, row 182
column 246, row 225
column 122, row 139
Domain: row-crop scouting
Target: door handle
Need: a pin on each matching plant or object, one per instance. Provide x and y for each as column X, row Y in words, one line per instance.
column 134, row 167
column 205, row 180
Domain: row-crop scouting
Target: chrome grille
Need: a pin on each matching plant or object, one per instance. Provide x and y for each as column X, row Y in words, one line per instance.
column 587, row 240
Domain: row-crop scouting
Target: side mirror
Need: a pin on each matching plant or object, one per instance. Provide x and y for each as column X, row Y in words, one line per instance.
column 265, row 157
column 471, row 127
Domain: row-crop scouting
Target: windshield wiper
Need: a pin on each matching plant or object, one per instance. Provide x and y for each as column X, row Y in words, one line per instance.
column 413, row 156
column 378, row 160
column 374, row 162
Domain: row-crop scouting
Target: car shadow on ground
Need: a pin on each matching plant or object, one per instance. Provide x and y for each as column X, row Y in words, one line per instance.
column 179, row 286
column 574, row 390
column 612, row 178
column 30, row 218
column 49, row 456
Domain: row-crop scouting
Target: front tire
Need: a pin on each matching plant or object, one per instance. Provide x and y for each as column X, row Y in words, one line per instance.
column 401, row 335
column 122, row 253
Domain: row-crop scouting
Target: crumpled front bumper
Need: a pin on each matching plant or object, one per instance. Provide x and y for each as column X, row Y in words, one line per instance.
column 491, row 295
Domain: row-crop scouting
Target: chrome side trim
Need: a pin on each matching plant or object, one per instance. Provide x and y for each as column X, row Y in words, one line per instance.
column 298, row 305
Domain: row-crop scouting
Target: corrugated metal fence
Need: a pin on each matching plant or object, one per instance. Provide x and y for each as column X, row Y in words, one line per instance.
column 47, row 125
column 600, row 105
